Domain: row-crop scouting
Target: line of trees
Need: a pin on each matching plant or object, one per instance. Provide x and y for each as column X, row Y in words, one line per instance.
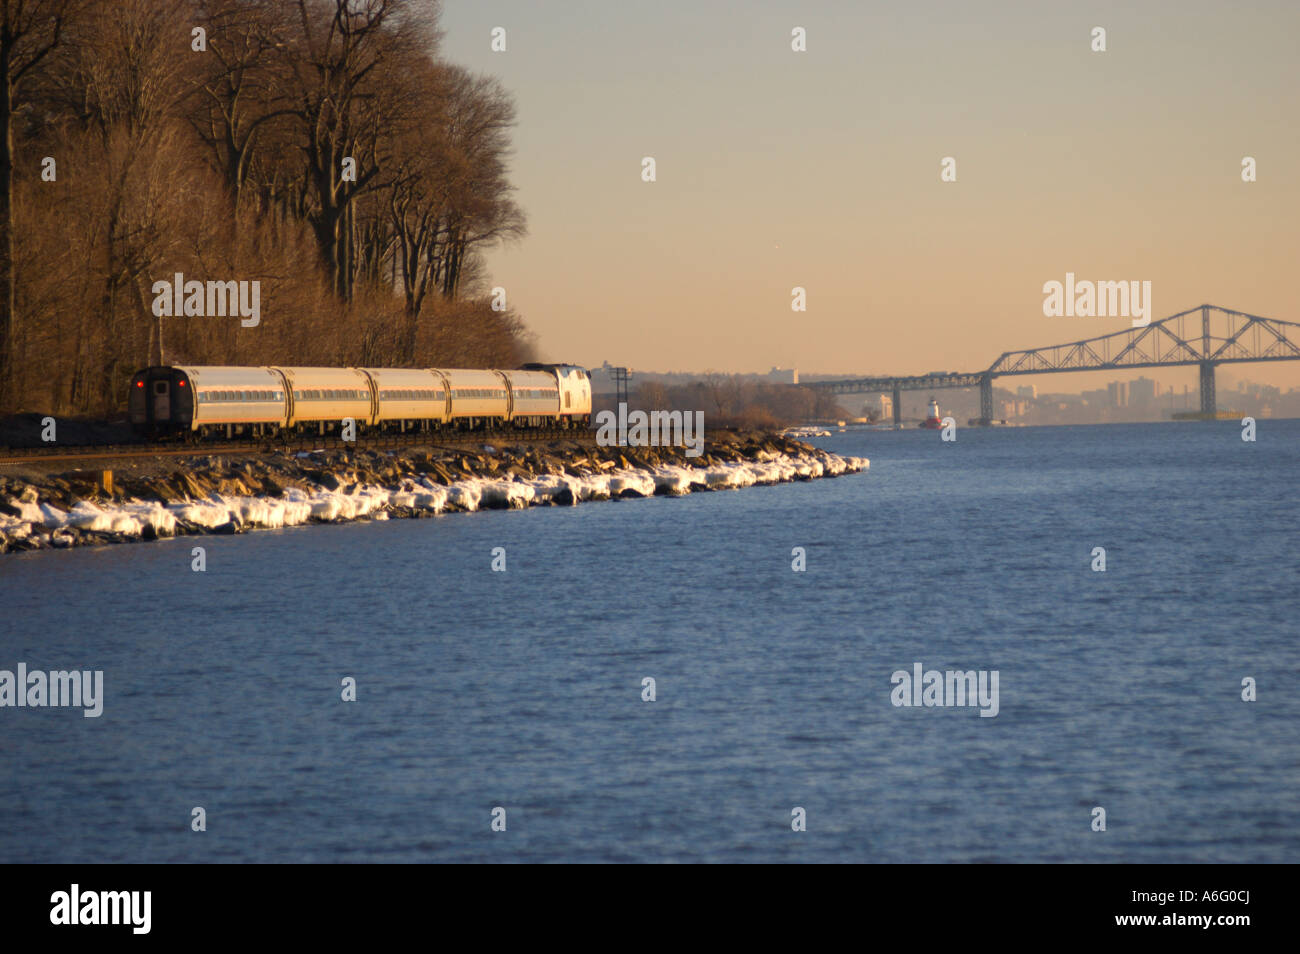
column 730, row 399
column 320, row 147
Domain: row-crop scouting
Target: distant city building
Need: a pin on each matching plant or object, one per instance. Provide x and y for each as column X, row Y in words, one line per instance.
column 1117, row 392
column 784, row 375
column 1142, row 392
column 881, row 405
column 1027, row 391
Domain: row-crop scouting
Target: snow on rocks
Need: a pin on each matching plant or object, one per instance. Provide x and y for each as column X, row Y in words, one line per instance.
column 215, row 497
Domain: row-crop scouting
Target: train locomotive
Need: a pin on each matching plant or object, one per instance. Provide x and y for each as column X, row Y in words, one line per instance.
column 208, row 402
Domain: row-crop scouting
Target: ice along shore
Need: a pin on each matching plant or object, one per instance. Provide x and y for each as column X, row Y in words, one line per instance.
column 234, row 493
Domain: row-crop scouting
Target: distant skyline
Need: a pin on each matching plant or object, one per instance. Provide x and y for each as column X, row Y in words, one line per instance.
column 821, row 169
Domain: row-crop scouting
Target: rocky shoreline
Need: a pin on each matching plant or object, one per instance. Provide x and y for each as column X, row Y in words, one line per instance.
column 233, row 493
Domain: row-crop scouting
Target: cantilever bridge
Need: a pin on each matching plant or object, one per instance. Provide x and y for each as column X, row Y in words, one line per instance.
column 1206, row 336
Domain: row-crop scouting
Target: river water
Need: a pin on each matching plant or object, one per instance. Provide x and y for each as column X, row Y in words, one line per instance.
column 523, row 689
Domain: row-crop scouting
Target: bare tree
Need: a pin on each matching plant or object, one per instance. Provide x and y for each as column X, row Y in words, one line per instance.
column 29, row 31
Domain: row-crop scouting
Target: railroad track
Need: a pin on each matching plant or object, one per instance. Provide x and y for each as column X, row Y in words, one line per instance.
column 39, row 455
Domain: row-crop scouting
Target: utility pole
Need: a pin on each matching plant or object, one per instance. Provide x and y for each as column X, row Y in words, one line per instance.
column 621, row 377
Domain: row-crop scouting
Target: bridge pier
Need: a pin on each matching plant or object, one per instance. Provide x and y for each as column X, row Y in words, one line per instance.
column 1209, row 402
column 898, row 406
column 986, row 399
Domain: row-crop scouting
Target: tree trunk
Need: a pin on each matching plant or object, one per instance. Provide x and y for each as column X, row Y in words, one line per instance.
column 9, row 318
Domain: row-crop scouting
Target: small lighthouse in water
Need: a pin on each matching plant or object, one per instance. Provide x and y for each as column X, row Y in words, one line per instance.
column 932, row 420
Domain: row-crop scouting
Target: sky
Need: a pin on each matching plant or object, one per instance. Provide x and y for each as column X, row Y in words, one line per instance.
column 821, row 169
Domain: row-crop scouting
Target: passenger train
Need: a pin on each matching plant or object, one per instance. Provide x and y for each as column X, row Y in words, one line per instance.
column 201, row 402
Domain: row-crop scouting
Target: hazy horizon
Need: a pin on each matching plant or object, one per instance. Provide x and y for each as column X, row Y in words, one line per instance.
column 820, row 169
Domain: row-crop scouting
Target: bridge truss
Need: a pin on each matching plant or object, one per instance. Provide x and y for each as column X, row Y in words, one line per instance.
column 1205, row 336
